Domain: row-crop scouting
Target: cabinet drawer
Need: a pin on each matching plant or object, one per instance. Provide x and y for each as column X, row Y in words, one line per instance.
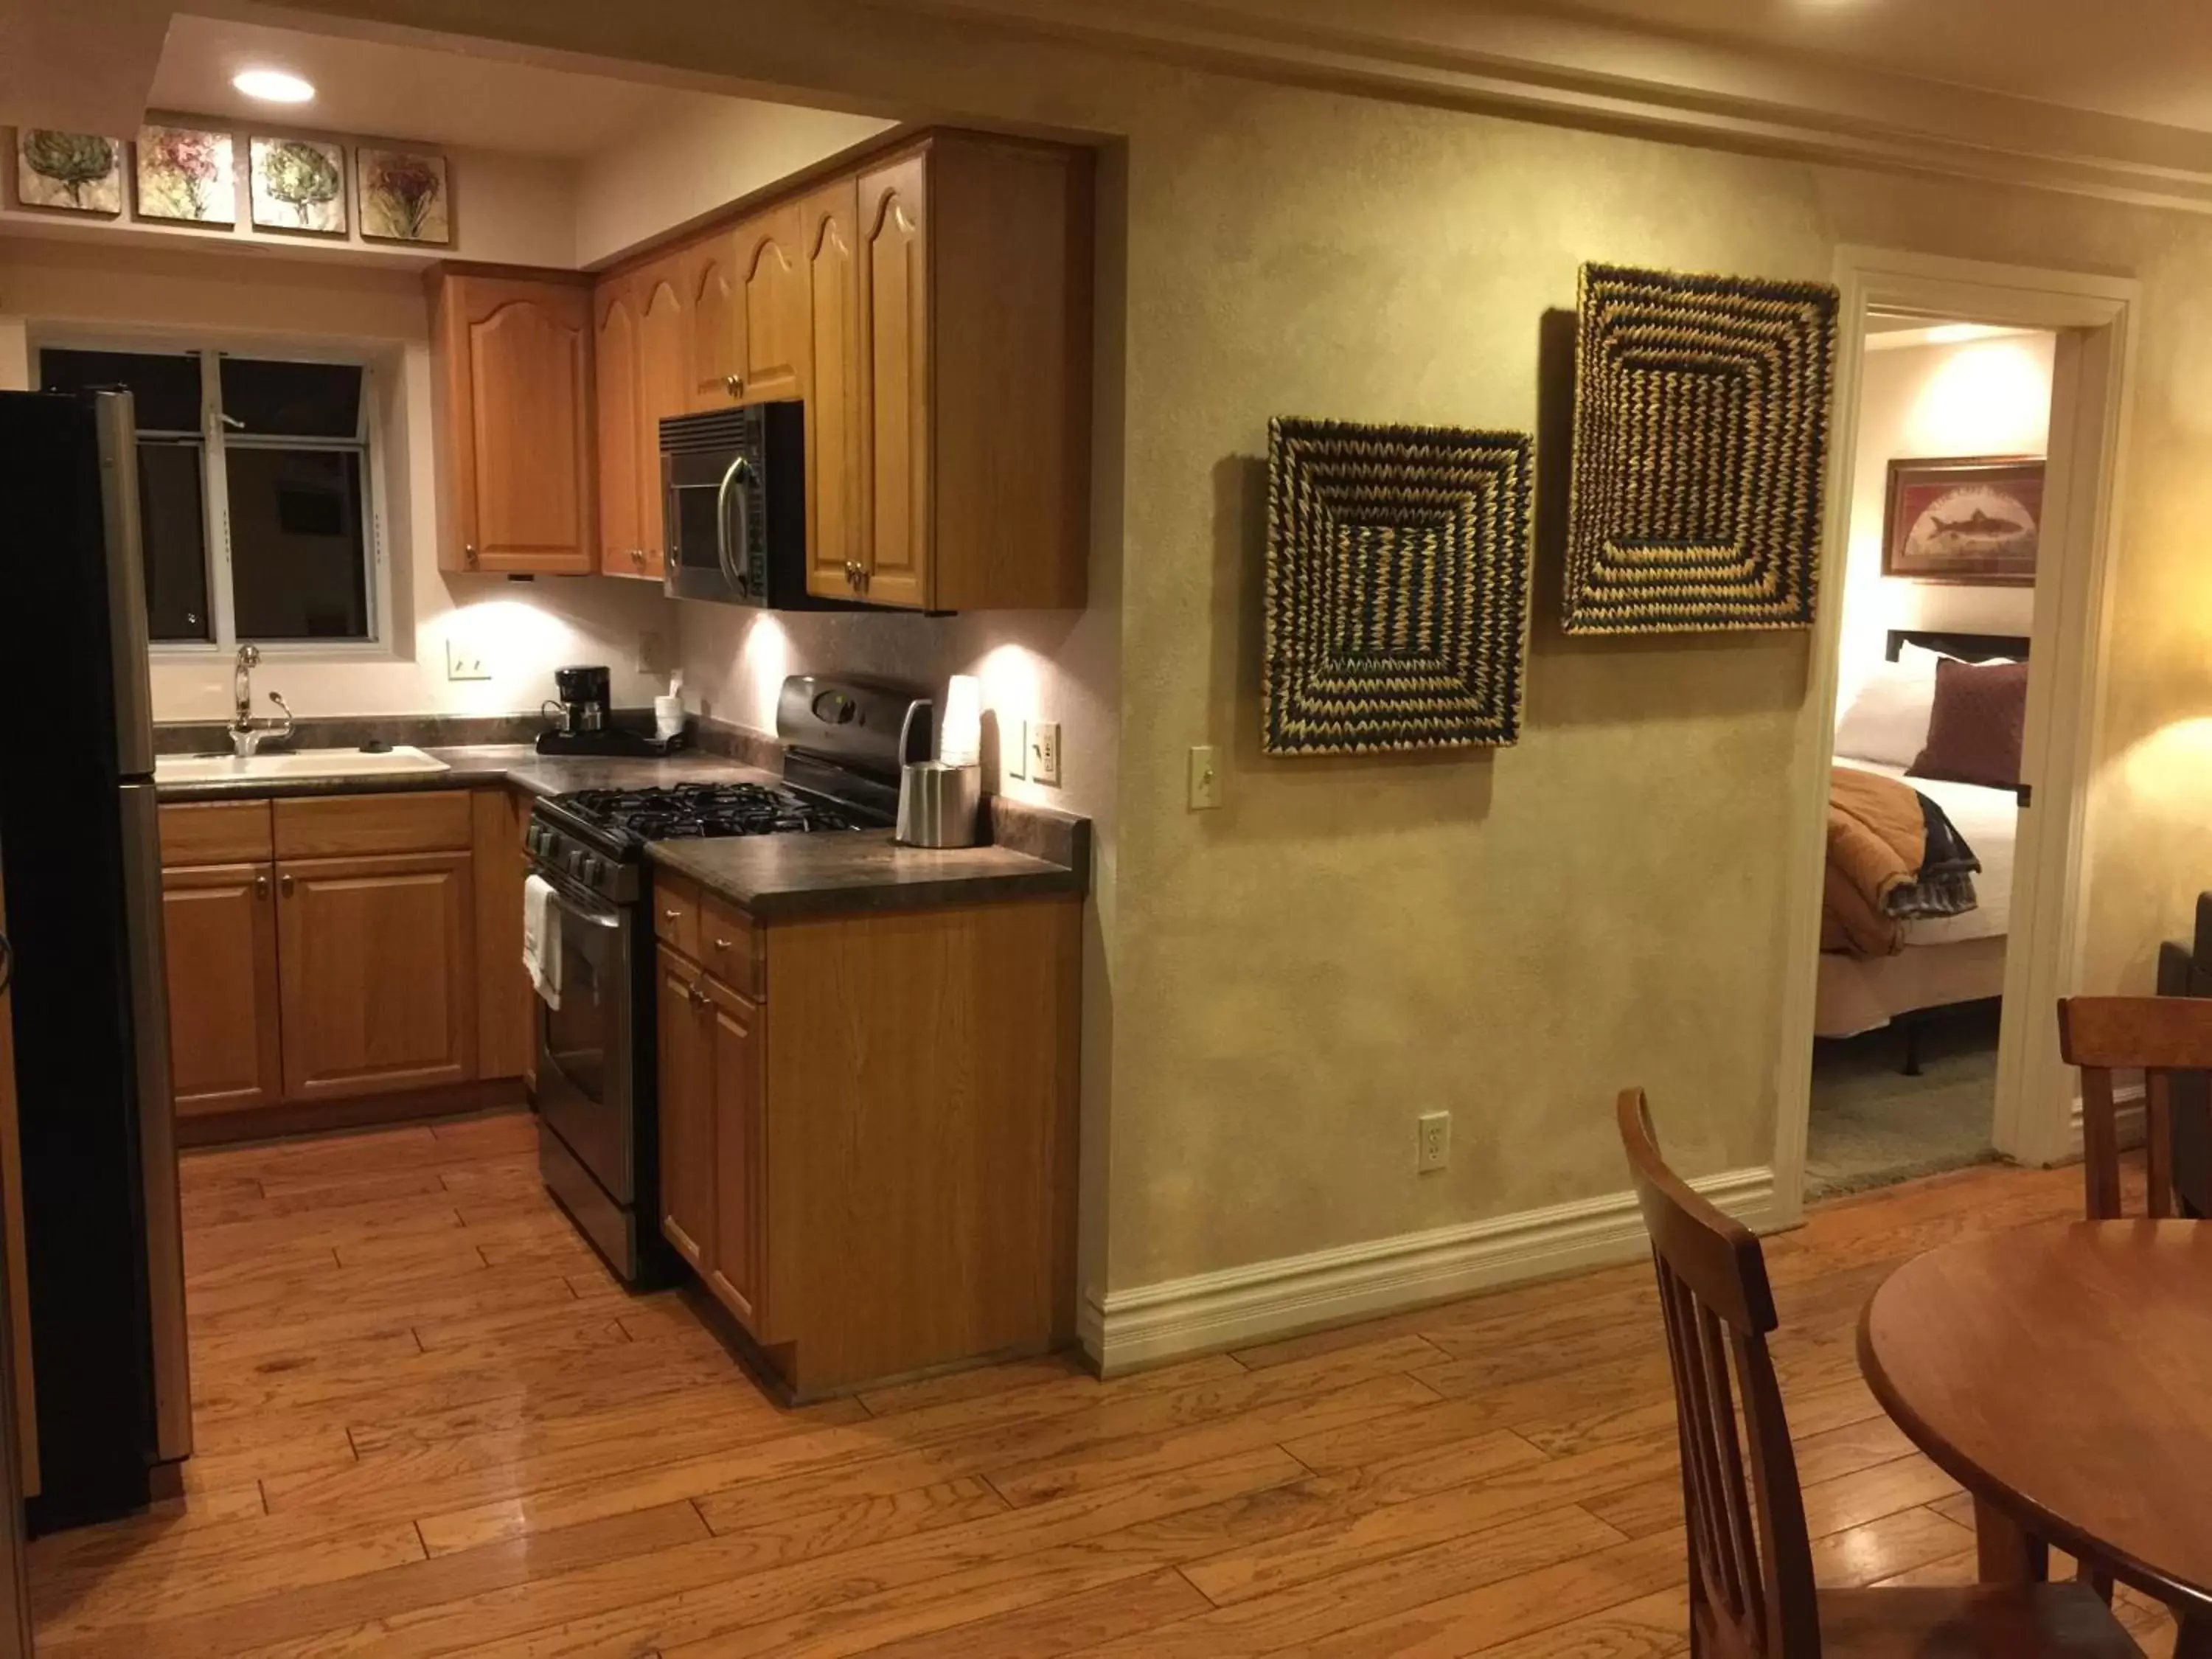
column 730, row 946
column 215, row 832
column 676, row 912
column 350, row 826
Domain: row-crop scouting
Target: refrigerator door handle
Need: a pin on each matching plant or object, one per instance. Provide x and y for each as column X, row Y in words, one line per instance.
column 116, row 416
column 157, row 1120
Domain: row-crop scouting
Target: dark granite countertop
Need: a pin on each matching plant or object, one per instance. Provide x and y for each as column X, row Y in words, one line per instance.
column 772, row 876
column 515, row 763
column 768, row 876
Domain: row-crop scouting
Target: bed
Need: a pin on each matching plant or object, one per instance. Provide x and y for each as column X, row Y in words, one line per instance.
column 1946, row 960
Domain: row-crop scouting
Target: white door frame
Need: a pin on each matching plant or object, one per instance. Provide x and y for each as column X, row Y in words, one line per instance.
column 2038, row 1110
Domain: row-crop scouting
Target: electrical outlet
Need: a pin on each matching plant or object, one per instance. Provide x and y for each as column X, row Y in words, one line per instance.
column 464, row 661
column 1204, row 777
column 1435, row 1148
column 1044, row 751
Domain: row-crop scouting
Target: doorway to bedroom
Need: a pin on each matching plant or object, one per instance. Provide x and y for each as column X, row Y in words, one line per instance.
column 1938, row 593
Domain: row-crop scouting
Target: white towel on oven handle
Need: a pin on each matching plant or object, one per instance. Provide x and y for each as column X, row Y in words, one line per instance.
column 541, row 939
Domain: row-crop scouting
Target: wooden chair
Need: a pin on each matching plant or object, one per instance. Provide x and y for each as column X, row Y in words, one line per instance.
column 1752, row 1595
column 2159, row 1035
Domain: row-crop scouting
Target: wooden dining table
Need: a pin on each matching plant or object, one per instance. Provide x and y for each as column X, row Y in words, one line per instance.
column 2062, row 1373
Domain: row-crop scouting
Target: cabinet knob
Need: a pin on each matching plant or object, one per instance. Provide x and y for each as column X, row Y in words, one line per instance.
column 671, row 915
column 698, row 995
column 637, row 555
column 721, row 944
column 734, row 384
column 284, row 885
column 468, row 555
column 261, row 887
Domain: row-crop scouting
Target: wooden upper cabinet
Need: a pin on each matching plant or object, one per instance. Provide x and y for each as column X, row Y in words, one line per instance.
column 830, row 243
column 717, row 317
column 377, row 963
column 615, row 349
column 772, row 260
column 516, row 390
column 225, row 1048
column 664, row 388
column 894, row 367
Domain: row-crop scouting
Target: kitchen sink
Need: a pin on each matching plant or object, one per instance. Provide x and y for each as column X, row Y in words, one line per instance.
column 300, row 763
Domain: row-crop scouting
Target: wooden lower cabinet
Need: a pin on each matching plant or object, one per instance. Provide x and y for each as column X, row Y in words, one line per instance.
column 687, row 1111
column 220, row 923
column 377, row 973
column 733, row 1041
column 872, row 1165
column 332, row 948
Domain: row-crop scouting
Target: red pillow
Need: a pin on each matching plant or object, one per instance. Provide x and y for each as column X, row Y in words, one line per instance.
column 1975, row 729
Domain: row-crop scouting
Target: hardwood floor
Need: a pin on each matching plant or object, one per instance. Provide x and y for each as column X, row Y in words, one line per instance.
column 429, row 1423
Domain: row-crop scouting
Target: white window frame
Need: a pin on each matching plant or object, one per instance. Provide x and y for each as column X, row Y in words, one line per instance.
column 378, row 376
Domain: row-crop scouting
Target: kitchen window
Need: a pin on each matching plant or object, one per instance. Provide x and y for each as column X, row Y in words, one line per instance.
column 255, row 493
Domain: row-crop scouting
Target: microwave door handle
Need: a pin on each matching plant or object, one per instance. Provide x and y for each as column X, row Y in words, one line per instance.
column 734, row 566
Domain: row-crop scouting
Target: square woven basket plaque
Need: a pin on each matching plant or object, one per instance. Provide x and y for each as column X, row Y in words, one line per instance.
column 1397, row 603
column 1701, row 426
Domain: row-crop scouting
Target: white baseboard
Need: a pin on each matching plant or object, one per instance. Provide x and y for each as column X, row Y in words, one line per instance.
column 1149, row 1323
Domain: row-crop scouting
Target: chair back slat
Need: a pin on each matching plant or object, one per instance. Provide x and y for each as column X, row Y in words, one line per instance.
column 1751, row 1577
column 2158, row 1035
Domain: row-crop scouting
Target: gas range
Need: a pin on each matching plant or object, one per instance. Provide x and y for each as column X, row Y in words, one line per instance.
column 597, row 837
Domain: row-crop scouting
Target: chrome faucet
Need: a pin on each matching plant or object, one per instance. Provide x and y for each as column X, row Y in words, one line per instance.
column 247, row 735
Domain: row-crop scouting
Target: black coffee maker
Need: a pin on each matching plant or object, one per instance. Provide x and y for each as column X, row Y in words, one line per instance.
column 584, row 702
column 581, row 719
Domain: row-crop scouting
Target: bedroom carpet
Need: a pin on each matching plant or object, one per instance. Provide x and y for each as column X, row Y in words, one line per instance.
column 1871, row 1125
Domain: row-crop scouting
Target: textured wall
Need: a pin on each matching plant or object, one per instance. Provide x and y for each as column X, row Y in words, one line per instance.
column 1350, row 942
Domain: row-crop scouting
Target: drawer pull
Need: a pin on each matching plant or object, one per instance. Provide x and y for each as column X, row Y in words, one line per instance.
column 722, row 943
column 671, row 915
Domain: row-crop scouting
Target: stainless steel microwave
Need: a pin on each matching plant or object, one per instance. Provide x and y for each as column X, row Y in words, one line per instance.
column 733, row 503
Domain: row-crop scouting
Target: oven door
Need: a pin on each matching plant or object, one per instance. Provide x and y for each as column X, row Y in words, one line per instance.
column 585, row 1093
column 710, row 506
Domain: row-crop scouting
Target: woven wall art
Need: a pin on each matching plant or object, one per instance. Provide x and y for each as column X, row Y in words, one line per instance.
column 1701, row 424
column 1397, row 599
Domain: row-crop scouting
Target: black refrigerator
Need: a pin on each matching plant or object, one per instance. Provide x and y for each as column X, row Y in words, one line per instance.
column 82, row 838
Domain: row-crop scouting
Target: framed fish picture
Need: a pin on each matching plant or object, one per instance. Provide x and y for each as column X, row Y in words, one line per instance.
column 1974, row 520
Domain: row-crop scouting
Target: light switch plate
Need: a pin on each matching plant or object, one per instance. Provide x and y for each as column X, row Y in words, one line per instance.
column 1204, row 777
column 1044, row 751
column 464, row 661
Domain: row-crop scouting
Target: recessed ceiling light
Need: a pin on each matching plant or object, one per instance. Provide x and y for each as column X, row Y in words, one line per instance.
column 273, row 85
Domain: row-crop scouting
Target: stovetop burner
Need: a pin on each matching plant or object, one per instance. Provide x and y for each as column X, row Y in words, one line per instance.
column 684, row 811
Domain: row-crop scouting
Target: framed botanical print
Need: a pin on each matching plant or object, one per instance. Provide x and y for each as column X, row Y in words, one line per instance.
column 404, row 195
column 298, row 185
column 1972, row 520
column 185, row 174
column 73, row 172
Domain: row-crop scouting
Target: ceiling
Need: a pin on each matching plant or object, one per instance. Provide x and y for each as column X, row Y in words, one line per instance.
column 2151, row 60
column 374, row 87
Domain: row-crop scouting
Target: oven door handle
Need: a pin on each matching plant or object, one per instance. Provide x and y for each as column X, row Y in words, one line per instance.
column 568, row 914
column 736, row 569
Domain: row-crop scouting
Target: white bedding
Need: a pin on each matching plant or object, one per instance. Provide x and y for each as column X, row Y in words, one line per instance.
column 1990, row 820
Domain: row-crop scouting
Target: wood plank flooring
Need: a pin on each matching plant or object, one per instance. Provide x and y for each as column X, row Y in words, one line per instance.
column 429, row 1423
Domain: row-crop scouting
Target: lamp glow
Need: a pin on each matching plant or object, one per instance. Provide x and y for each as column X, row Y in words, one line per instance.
column 273, row 85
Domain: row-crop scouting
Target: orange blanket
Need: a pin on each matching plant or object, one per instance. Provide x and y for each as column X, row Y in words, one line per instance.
column 1877, row 838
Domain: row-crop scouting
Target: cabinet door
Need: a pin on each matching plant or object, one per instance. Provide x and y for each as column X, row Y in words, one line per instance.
column 718, row 322
column 664, row 388
column 377, row 962
column 833, row 404
column 517, row 392
column 614, row 356
column 687, row 1112
column 220, row 921
column 740, row 1193
column 776, row 346
column 896, row 368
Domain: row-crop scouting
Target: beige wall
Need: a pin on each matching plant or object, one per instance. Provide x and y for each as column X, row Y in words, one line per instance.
column 1990, row 397
column 1514, row 936
column 50, row 289
column 706, row 155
